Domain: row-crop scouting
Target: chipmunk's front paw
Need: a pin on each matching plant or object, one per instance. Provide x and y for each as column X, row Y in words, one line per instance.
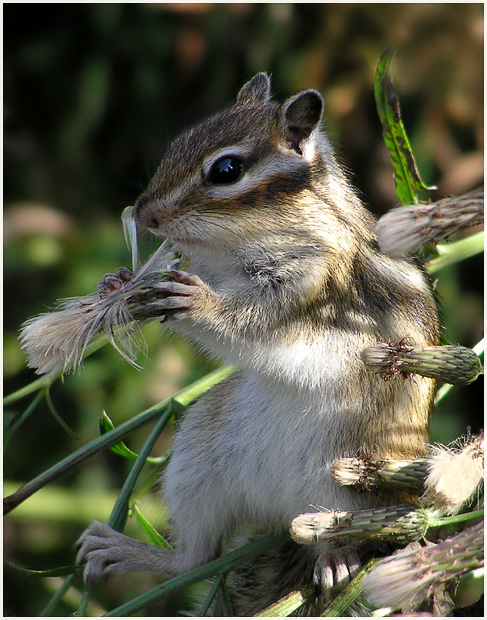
column 335, row 569
column 114, row 281
column 180, row 295
column 104, row 551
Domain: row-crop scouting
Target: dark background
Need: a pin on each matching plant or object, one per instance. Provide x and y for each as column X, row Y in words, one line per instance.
column 93, row 94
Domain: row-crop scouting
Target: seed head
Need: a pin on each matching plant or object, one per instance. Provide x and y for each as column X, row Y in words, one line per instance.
column 406, row 230
column 456, row 475
column 449, row 363
column 56, row 341
column 405, row 580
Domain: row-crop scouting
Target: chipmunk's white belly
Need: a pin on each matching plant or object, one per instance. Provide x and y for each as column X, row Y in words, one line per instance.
column 287, row 440
column 260, row 455
column 330, row 357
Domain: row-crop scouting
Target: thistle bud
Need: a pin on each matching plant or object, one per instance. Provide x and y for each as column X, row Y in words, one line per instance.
column 405, row 580
column 365, row 473
column 407, row 229
column 399, row 523
column 448, row 363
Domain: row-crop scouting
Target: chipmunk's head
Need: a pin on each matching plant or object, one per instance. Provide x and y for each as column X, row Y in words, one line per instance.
column 216, row 180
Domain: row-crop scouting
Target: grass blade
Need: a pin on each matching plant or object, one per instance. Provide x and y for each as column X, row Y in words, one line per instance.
column 409, row 186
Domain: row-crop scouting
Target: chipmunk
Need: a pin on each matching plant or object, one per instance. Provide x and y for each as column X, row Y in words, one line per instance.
column 287, row 283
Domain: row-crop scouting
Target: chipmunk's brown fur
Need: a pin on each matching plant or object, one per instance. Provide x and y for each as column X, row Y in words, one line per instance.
column 288, row 284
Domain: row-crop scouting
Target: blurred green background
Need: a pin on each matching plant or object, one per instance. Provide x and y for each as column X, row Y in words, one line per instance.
column 93, row 94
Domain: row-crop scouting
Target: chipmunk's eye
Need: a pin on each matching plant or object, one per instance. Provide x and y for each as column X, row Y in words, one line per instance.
column 227, row 169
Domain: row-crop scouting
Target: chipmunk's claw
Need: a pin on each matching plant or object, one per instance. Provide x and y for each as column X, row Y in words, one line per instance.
column 336, row 568
column 114, row 281
column 102, row 550
column 178, row 295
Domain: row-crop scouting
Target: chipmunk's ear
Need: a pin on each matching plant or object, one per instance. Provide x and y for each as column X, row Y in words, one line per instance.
column 258, row 90
column 301, row 114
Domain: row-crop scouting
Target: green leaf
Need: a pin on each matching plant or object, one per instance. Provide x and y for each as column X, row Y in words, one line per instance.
column 150, row 531
column 289, row 604
column 409, row 185
column 62, row 571
column 105, row 425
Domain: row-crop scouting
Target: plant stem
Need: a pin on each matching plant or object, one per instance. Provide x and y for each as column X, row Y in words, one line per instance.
column 354, row 589
column 30, row 409
column 457, row 251
column 468, row 516
column 181, row 399
column 46, row 380
column 119, row 513
column 47, row 611
column 225, row 563
column 289, row 604
column 211, row 595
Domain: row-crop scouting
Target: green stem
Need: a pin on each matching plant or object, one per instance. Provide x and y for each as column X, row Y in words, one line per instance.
column 457, row 251
column 289, row 604
column 30, row 409
column 211, row 595
column 46, row 380
column 47, row 611
column 56, row 416
column 85, row 595
column 119, row 513
column 33, row 387
column 343, row 601
column 468, row 516
column 225, row 563
column 181, row 399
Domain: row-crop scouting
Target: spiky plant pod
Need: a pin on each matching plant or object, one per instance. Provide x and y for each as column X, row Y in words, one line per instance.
column 456, row 475
column 449, row 363
column 56, row 341
column 447, row 478
column 406, row 579
column 365, row 473
column 398, row 523
column 407, row 229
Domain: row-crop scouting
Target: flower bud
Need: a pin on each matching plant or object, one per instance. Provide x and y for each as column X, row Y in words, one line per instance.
column 404, row 580
column 407, row 229
column 449, row 363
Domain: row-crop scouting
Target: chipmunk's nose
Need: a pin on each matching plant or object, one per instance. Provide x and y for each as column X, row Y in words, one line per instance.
column 145, row 212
